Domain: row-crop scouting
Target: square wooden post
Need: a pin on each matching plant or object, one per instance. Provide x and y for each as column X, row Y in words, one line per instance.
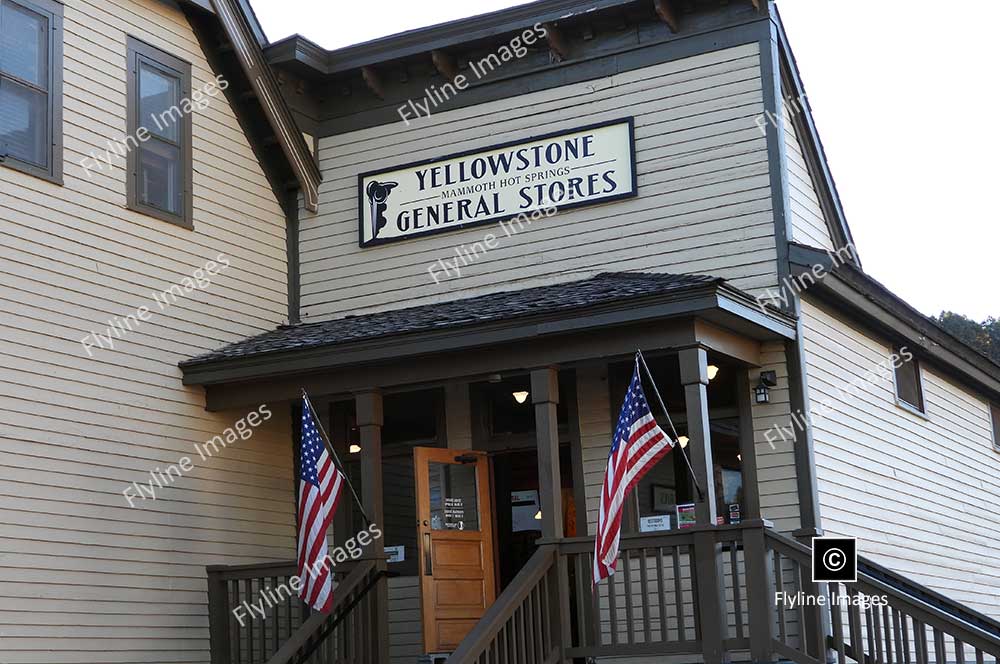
column 545, row 397
column 709, row 578
column 370, row 418
column 694, row 378
column 750, row 508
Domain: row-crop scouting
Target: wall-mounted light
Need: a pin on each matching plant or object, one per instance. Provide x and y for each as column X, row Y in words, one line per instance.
column 354, row 448
column 683, row 440
column 538, row 515
column 713, row 371
column 520, row 397
column 762, row 392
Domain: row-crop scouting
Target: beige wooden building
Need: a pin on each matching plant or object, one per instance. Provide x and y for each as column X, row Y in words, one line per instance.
column 455, row 239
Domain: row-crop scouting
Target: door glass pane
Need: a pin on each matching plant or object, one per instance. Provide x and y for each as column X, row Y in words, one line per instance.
column 24, row 44
column 160, row 183
column 159, row 103
column 23, row 118
column 454, row 501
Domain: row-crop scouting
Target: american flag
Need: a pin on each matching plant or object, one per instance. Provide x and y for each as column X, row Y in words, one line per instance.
column 320, row 486
column 637, row 445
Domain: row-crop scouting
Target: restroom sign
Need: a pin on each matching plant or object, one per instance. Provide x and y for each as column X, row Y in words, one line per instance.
column 584, row 166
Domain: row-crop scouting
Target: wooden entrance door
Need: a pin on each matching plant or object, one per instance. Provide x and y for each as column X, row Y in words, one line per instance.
column 454, row 526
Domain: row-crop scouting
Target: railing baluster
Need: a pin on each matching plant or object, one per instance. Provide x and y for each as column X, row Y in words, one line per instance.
column 800, row 611
column 679, row 595
column 901, row 654
column 875, row 625
column 837, row 620
column 779, row 591
column 547, row 614
column 613, row 607
column 661, row 593
column 532, row 622
column 906, row 639
column 887, row 633
column 595, row 608
column 579, row 600
column 870, row 631
column 854, row 625
column 522, row 626
column 940, row 652
column 737, row 595
column 979, row 656
column 629, row 613
column 248, row 593
column 959, row 652
column 920, row 635
column 647, row 618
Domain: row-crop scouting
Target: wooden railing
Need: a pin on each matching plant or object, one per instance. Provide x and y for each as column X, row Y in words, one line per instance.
column 679, row 593
column 873, row 621
column 708, row 593
column 523, row 624
column 288, row 632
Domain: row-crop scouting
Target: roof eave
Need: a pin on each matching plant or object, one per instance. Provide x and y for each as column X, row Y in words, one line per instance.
column 714, row 302
column 877, row 308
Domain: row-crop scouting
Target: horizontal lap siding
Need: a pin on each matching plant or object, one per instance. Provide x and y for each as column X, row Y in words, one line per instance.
column 808, row 221
column 85, row 578
column 919, row 493
column 703, row 206
column 406, row 640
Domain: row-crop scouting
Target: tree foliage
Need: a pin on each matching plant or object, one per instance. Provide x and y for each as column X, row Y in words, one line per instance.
column 984, row 337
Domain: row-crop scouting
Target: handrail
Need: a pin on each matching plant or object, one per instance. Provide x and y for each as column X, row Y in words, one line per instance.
column 874, row 570
column 490, row 625
column 317, row 621
column 904, row 622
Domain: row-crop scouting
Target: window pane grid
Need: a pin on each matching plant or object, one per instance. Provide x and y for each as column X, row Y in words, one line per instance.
column 26, row 106
column 24, row 45
column 160, row 169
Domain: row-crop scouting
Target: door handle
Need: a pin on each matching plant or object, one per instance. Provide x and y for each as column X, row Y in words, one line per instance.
column 428, row 568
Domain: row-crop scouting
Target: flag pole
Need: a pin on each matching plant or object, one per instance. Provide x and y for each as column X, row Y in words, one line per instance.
column 663, row 407
column 333, row 453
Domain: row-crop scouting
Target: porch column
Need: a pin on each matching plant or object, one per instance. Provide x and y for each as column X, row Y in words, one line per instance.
column 368, row 408
column 545, row 397
column 748, row 448
column 694, row 378
column 707, row 550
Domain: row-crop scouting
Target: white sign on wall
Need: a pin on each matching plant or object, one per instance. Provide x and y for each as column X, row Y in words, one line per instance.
column 593, row 164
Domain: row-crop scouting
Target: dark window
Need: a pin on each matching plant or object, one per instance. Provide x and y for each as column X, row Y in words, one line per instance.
column 908, row 389
column 995, row 412
column 31, row 86
column 159, row 134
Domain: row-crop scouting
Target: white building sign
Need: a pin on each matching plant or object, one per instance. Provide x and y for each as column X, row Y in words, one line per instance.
column 583, row 166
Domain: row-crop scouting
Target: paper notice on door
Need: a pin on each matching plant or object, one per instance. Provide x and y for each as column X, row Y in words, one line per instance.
column 523, row 509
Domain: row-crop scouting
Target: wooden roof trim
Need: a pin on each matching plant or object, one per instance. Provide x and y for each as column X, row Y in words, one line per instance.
column 812, row 145
column 248, row 51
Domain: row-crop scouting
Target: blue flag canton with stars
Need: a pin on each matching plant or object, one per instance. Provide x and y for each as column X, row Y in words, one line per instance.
column 311, row 447
column 634, row 407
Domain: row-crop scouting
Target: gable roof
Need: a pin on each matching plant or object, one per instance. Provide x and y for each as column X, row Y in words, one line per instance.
column 815, row 156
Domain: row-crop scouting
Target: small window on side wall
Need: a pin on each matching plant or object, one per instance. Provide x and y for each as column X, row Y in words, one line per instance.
column 995, row 413
column 31, row 87
column 909, row 391
column 159, row 134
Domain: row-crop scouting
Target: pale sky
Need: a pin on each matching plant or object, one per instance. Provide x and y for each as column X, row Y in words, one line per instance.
column 905, row 96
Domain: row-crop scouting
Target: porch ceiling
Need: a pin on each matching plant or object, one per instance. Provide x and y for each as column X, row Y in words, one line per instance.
column 563, row 323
